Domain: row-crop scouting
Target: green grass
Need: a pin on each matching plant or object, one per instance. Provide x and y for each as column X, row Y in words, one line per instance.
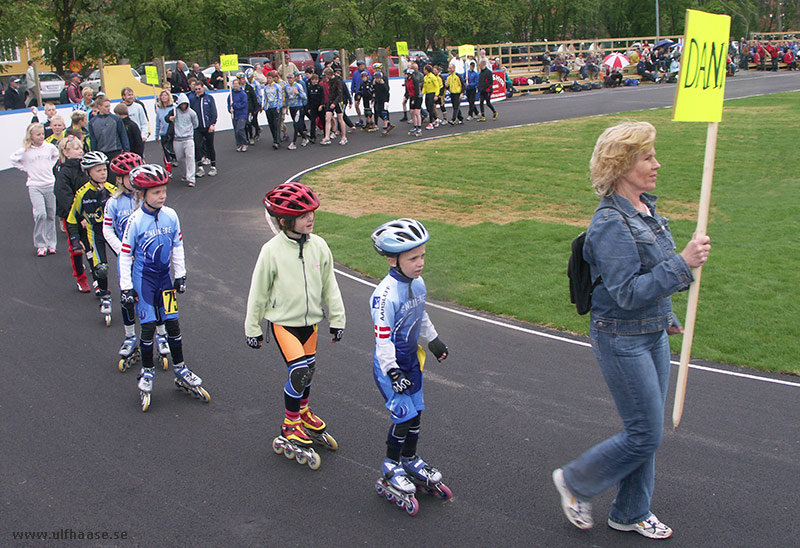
column 502, row 207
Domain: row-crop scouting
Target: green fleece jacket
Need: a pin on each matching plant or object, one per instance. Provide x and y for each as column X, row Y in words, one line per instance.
column 288, row 287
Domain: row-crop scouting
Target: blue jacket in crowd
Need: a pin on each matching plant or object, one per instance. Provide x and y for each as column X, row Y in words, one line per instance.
column 238, row 101
column 206, row 109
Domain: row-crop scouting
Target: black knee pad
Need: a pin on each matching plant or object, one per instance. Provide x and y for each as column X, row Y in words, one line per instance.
column 148, row 330
column 173, row 328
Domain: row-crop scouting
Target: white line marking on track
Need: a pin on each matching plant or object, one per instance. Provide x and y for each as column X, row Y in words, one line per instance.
column 489, row 320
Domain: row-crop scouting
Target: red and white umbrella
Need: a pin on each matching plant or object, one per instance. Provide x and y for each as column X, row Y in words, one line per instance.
column 616, row 60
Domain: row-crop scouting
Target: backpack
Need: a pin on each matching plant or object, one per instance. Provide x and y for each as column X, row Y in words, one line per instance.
column 63, row 97
column 556, row 88
column 586, row 87
column 631, row 82
column 579, row 272
column 576, row 86
column 597, row 85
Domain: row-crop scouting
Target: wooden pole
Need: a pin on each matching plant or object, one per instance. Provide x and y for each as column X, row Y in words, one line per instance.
column 102, row 77
column 694, row 289
column 37, row 88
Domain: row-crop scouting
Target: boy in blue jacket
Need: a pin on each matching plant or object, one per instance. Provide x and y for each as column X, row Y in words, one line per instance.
column 237, row 106
column 206, row 109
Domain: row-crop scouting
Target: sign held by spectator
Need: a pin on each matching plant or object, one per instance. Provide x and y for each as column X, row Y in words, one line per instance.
column 229, row 63
column 402, row 48
column 701, row 82
column 466, row 50
column 151, row 75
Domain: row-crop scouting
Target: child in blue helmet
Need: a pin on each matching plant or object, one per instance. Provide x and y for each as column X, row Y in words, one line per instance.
column 398, row 313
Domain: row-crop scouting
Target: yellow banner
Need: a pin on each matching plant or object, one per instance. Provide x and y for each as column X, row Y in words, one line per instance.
column 466, row 50
column 151, row 75
column 229, row 62
column 402, row 48
column 701, row 81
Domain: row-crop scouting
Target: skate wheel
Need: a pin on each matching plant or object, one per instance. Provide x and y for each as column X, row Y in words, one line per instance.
column 301, row 458
column 314, row 462
column 108, row 320
column 288, row 452
column 412, row 506
column 277, row 446
column 165, row 363
column 444, row 491
column 122, row 365
column 145, row 397
column 330, row 442
column 379, row 488
column 389, row 496
column 203, row 394
column 399, row 502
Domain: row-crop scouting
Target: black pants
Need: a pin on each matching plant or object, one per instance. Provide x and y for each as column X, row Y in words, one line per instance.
column 252, row 129
column 204, row 145
column 487, row 97
column 455, row 102
column 274, row 121
column 472, row 111
column 430, row 103
column 313, row 113
column 299, row 126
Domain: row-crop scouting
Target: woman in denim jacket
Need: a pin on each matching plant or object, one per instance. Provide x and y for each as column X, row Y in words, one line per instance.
column 630, row 249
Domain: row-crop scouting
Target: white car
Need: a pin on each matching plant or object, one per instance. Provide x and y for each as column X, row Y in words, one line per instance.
column 50, row 84
column 93, row 81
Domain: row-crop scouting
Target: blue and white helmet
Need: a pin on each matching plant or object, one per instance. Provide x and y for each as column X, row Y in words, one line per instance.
column 392, row 238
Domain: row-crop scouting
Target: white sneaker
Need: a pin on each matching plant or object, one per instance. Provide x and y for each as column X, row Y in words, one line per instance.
column 578, row 513
column 200, row 172
column 343, row 141
column 212, row 171
column 650, row 527
column 292, row 146
column 304, row 142
column 244, row 148
column 205, row 161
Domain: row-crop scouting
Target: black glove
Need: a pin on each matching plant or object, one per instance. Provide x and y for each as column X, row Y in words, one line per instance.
column 255, row 342
column 77, row 245
column 128, row 296
column 180, row 284
column 438, row 348
column 400, row 382
column 336, row 334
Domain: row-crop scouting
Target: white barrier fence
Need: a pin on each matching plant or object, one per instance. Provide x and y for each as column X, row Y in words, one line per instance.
column 14, row 123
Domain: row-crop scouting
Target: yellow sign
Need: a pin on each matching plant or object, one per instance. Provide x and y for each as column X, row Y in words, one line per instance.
column 701, row 82
column 402, row 48
column 170, row 300
column 466, row 50
column 151, row 75
column 229, row 62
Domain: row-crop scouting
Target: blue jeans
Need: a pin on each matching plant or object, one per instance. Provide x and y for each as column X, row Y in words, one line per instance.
column 636, row 369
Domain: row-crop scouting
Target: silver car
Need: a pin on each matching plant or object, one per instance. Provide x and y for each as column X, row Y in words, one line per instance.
column 50, row 84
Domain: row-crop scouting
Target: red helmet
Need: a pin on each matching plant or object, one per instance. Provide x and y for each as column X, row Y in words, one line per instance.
column 148, row 176
column 125, row 162
column 290, row 200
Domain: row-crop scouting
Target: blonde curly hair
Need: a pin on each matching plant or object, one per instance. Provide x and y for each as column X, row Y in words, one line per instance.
column 615, row 152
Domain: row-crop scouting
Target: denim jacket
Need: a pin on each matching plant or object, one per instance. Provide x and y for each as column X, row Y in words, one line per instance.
column 638, row 266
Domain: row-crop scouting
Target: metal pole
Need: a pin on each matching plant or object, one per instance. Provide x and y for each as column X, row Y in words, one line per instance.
column 658, row 24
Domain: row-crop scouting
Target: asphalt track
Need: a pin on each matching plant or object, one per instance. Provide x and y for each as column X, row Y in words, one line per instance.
column 504, row 409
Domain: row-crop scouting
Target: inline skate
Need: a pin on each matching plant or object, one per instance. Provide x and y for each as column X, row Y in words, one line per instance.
column 145, row 386
column 315, row 427
column 163, row 350
column 293, row 443
column 190, row 383
column 129, row 353
column 396, row 486
column 105, row 306
column 425, row 477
